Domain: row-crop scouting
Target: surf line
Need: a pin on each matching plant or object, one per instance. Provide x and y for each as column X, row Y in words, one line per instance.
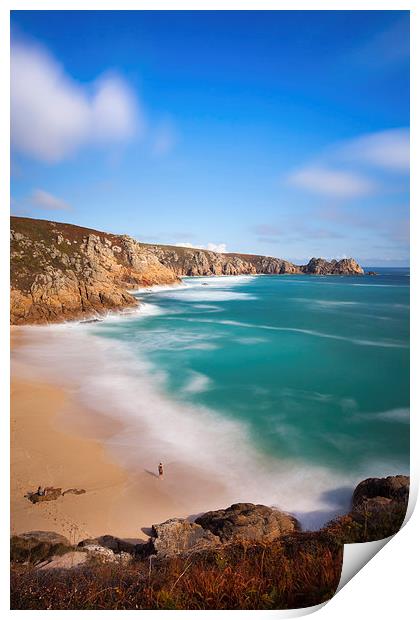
column 308, row 332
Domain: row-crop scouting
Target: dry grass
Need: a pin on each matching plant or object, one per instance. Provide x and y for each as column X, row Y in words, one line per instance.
column 297, row 571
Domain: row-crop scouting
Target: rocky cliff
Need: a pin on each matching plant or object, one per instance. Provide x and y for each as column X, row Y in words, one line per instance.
column 61, row 271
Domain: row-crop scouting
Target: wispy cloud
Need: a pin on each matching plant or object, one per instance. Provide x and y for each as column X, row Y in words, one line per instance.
column 356, row 167
column 389, row 150
column 44, row 200
column 52, row 116
column 331, row 182
column 220, row 248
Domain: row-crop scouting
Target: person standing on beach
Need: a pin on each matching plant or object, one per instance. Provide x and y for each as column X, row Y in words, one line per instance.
column 160, row 470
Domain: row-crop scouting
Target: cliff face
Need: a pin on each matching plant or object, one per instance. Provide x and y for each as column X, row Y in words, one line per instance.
column 60, row 271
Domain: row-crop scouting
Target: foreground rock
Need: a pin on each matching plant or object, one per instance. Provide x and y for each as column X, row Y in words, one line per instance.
column 104, row 555
column 379, row 507
column 113, row 543
column 67, row 561
column 37, row 546
column 178, row 536
column 252, row 522
column 51, row 494
column 393, row 488
column 60, row 271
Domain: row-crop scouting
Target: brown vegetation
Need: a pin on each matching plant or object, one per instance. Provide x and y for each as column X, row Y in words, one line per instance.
column 295, row 571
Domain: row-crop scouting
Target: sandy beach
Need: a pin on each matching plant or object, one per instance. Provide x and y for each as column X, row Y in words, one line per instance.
column 55, row 443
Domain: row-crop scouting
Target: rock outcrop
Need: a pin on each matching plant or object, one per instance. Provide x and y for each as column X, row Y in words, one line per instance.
column 113, row 543
column 50, row 494
column 394, row 488
column 179, row 536
column 343, row 267
column 379, row 506
column 61, row 271
column 37, row 546
column 253, row 522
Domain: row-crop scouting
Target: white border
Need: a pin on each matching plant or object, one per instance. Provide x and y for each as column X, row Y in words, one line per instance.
column 387, row 586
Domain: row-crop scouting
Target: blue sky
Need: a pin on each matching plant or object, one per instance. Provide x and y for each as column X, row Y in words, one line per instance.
column 282, row 133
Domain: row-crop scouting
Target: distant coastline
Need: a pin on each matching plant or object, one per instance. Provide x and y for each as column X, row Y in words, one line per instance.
column 61, row 271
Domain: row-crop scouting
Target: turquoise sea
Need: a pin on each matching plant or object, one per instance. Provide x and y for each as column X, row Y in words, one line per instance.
column 315, row 368
column 288, row 389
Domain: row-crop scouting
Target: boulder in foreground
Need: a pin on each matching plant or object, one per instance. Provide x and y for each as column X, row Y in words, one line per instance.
column 393, row 487
column 37, row 546
column 177, row 536
column 253, row 522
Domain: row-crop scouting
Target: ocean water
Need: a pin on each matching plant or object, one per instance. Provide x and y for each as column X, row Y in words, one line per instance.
column 288, row 389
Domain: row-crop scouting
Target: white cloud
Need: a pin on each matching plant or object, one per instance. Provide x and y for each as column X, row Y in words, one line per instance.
column 44, row 200
column 52, row 116
column 220, row 248
column 388, row 149
column 330, row 182
column 356, row 167
column 181, row 244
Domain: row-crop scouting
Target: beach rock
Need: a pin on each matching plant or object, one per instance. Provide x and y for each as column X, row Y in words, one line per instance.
column 67, row 561
column 103, row 554
column 116, row 545
column 37, row 546
column 177, row 536
column 248, row 522
column 393, row 487
column 379, row 507
column 74, row 491
column 50, row 494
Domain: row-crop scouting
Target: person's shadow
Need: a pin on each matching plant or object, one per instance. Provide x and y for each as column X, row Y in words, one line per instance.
column 151, row 473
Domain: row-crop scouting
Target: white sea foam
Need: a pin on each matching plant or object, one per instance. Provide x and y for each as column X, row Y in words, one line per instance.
column 219, row 281
column 383, row 285
column 392, row 415
column 208, row 307
column 176, row 340
column 105, row 375
column 142, row 310
column 250, row 340
column 157, row 288
column 209, row 288
column 308, row 332
column 325, row 302
column 195, row 294
column 197, row 382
